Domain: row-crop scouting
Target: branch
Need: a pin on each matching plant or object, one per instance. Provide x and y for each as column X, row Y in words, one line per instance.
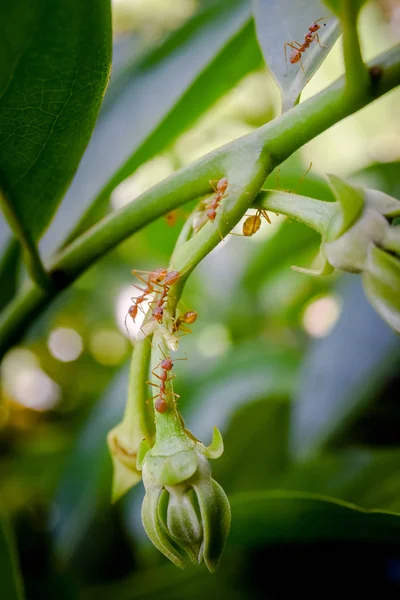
column 356, row 69
column 31, row 255
column 268, row 146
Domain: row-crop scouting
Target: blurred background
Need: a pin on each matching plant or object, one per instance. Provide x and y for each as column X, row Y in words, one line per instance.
column 300, row 374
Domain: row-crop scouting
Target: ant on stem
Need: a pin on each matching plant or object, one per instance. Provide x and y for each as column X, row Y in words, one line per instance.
column 170, row 278
column 154, row 278
column 220, row 192
column 253, row 222
column 309, row 37
column 187, row 318
column 166, row 364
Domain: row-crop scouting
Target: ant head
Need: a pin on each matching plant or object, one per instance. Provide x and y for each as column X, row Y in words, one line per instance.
column 172, row 277
column 167, row 364
column 158, row 275
column 211, row 214
column 158, row 314
column 222, row 185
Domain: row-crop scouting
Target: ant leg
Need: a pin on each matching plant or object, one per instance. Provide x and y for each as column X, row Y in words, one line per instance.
column 135, row 272
column 155, row 374
column 291, row 44
column 153, row 384
column 316, row 38
column 265, row 215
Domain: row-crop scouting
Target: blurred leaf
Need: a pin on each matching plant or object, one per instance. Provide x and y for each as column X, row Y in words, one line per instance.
column 246, row 374
column 341, row 373
column 256, row 449
column 54, row 70
column 86, row 482
column 9, row 264
column 169, row 88
column 350, row 475
column 11, row 586
column 281, row 21
column 380, row 176
column 277, row 252
column 260, row 518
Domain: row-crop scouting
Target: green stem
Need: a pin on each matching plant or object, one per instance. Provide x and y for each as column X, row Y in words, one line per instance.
column 311, row 212
column 356, row 70
column 31, row 255
column 270, row 145
column 137, row 419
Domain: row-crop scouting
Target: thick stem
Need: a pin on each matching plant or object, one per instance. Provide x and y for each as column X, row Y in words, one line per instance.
column 274, row 143
column 31, row 255
column 137, row 419
column 356, row 70
column 311, row 212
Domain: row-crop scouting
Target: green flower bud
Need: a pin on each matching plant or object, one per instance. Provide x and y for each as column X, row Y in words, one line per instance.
column 358, row 236
column 123, row 455
column 184, row 509
column 381, row 280
column 349, row 252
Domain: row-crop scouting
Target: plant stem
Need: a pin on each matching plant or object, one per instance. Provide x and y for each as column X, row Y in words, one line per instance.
column 31, row 255
column 272, row 143
column 311, row 212
column 356, row 70
column 137, row 417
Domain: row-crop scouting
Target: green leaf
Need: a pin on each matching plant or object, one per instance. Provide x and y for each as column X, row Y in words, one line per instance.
column 11, row 586
column 219, row 48
column 264, row 517
column 350, row 475
column 85, row 485
column 279, row 251
column 351, row 201
column 381, row 282
column 256, row 448
column 341, row 373
column 54, row 70
column 279, row 22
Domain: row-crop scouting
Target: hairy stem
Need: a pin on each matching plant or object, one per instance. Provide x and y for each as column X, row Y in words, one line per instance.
column 269, row 145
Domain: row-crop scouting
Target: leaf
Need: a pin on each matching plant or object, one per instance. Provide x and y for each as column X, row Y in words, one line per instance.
column 341, row 373
column 256, row 450
column 201, row 62
column 350, row 475
column 10, row 577
column 248, row 373
column 86, row 482
column 290, row 240
column 279, row 22
column 54, row 70
column 264, row 517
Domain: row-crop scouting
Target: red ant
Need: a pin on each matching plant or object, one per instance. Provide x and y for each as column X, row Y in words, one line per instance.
column 187, row 318
column 220, row 192
column 171, row 218
column 309, row 37
column 170, row 278
column 154, row 278
column 166, row 365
